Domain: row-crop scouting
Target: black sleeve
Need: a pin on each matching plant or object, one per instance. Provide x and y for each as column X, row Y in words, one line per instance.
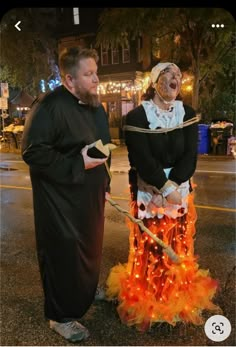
column 186, row 165
column 104, row 133
column 108, row 187
column 102, row 125
column 139, row 151
column 41, row 132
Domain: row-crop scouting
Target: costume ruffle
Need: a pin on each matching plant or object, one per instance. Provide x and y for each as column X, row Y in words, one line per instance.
column 145, row 194
column 159, row 118
column 151, row 288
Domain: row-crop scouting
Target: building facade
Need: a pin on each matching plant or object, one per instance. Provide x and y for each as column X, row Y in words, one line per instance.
column 122, row 70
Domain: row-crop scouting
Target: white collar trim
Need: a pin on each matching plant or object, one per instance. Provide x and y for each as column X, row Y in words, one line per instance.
column 159, row 118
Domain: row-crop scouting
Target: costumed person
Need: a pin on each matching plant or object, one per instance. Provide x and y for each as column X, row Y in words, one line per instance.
column 69, row 189
column 162, row 139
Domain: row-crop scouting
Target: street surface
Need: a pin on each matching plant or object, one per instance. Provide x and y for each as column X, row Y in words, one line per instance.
column 22, row 321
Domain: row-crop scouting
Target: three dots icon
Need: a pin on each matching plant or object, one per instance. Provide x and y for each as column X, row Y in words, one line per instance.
column 217, row 25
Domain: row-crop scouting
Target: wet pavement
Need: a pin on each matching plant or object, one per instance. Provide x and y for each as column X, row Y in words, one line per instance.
column 119, row 163
column 22, row 321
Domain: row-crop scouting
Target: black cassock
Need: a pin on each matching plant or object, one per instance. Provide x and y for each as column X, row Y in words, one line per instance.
column 68, row 200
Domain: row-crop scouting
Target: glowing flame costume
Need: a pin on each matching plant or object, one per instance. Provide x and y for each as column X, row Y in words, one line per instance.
column 150, row 287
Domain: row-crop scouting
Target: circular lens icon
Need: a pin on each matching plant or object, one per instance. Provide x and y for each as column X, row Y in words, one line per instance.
column 217, row 328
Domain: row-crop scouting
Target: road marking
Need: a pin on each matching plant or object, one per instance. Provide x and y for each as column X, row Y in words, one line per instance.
column 198, row 206
column 216, row 208
column 218, row 172
column 14, row 187
column 114, row 170
column 13, row 161
column 127, row 199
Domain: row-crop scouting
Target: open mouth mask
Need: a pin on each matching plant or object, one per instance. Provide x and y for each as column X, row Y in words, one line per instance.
column 155, row 73
column 156, row 70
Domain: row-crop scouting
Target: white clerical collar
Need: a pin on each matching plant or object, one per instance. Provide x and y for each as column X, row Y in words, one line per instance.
column 81, row 102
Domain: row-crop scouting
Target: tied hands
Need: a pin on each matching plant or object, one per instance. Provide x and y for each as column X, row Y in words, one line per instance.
column 90, row 162
column 160, row 201
column 174, row 198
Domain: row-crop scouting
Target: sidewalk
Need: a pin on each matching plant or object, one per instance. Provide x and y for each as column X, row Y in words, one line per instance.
column 119, row 161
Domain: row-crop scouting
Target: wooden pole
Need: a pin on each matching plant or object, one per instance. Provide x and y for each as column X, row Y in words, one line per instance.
column 167, row 249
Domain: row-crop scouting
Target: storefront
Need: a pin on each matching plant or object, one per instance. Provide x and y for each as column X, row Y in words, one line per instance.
column 118, row 98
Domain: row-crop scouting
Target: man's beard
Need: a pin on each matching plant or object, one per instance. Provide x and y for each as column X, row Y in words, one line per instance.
column 89, row 99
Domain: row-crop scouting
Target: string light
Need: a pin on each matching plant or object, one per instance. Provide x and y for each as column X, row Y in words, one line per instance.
column 118, row 87
column 22, row 108
column 155, row 279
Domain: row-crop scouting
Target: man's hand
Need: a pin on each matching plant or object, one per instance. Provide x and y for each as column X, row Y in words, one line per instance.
column 107, row 196
column 174, row 198
column 89, row 162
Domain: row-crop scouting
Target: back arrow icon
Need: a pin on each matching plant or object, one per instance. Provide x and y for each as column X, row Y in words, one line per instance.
column 17, row 25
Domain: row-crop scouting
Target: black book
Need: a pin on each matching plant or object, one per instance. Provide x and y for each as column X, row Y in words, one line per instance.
column 99, row 150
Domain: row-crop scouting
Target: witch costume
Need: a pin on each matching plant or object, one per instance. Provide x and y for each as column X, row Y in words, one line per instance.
column 68, row 200
column 162, row 146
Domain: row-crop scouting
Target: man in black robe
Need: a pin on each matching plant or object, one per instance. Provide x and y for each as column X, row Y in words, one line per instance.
column 69, row 190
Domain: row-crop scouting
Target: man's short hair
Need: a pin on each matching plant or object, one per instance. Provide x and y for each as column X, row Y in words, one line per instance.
column 69, row 59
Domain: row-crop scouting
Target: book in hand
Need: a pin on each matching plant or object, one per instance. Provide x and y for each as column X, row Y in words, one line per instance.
column 99, row 150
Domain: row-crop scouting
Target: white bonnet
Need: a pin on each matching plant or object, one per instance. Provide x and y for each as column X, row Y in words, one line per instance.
column 155, row 72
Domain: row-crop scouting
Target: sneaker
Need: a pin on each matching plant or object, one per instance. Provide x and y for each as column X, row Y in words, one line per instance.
column 72, row 331
column 100, row 294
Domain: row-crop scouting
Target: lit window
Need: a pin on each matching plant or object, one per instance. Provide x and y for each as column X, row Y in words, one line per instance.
column 126, row 55
column 139, row 50
column 115, row 56
column 156, row 47
column 76, row 15
column 104, row 56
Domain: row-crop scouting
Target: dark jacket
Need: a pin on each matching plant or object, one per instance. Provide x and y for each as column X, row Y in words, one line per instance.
column 151, row 153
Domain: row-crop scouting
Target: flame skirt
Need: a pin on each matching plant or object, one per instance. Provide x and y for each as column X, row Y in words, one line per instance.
column 150, row 287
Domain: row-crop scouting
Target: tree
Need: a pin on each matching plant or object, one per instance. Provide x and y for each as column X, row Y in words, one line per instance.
column 217, row 94
column 184, row 35
column 26, row 55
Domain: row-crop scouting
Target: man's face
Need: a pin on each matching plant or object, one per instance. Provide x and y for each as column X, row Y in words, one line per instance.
column 85, row 82
column 169, row 83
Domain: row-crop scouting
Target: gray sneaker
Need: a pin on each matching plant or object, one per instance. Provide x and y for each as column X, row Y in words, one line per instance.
column 72, row 331
column 100, row 294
